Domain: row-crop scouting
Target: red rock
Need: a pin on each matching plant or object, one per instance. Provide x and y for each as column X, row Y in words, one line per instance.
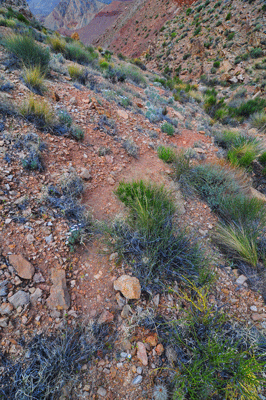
column 159, row 349
column 105, row 317
column 142, row 353
column 128, row 286
column 23, row 268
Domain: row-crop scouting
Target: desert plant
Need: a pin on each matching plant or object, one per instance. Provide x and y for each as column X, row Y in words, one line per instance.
column 218, row 358
column 181, row 164
column 238, row 241
column 39, row 112
column 244, row 155
column 28, row 51
column 65, row 118
column 168, row 128
column 258, row 120
column 227, row 139
column 77, row 133
column 76, row 52
column 248, row 108
column 57, row 44
column 148, row 241
column 167, row 154
column 133, row 73
column 34, row 79
column 131, row 148
column 256, row 52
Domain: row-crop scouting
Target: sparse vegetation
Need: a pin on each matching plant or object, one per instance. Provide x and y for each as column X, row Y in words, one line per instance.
column 168, row 128
column 34, row 79
column 39, row 112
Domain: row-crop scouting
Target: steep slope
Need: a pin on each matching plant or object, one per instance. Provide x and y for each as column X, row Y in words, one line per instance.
column 42, row 8
column 18, row 5
column 232, row 34
column 72, row 14
column 132, row 33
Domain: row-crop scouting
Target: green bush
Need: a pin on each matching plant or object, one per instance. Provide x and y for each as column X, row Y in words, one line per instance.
column 228, row 17
column 218, row 358
column 167, row 154
column 243, row 155
column 76, row 52
column 28, row 51
column 258, row 120
column 148, row 241
column 216, row 64
column 77, row 133
column 34, row 78
column 133, row 73
column 248, row 108
column 168, row 128
column 256, row 52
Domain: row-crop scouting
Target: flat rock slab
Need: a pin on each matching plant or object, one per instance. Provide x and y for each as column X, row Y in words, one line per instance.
column 20, row 298
column 23, row 267
column 59, row 297
column 128, row 286
column 142, row 353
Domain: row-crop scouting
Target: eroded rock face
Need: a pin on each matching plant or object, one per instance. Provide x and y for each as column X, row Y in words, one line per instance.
column 18, row 5
column 128, row 286
column 59, row 297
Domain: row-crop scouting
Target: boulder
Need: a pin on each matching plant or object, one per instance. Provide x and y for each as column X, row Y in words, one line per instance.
column 128, row 286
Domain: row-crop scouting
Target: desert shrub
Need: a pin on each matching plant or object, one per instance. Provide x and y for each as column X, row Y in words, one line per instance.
column 256, row 52
column 28, row 51
column 153, row 248
column 77, row 133
column 167, row 154
column 131, row 148
column 228, row 17
column 168, row 128
column 227, row 139
column 51, row 362
column 78, row 74
column 212, row 182
column 103, row 64
column 258, row 120
column 242, row 57
column 248, row 108
column 32, row 145
column 216, row 64
column 10, row 23
column 217, row 358
column 133, row 73
column 65, row 118
column 76, row 52
column 181, row 164
column 39, row 112
column 238, row 241
column 34, row 79
column 244, row 155
column 57, row 44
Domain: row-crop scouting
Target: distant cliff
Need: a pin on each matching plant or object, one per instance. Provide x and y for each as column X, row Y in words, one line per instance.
column 18, row 5
column 42, row 8
column 72, row 14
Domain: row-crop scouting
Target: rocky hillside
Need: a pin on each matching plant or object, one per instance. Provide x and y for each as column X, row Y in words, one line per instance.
column 230, row 35
column 132, row 222
column 72, row 14
column 19, row 5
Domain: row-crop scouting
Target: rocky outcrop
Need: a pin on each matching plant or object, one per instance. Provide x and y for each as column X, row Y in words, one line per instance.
column 42, row 8
column 17, row 5
column 72, row 14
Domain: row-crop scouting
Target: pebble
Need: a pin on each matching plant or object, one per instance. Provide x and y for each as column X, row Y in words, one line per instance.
column 137, row 380
column 139, row 370
column 241, row 279
column 102, row 392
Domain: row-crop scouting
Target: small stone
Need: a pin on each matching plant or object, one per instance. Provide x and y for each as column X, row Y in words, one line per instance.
column 6, row 308
column 38, row 278
column 241, row 279
column 73, row 101
column 59, row 297
column 137, row 380
column 123, row 354
column 49, row 239
column 128, row 286
column 85, row 174
column 23, row 268
column 3, row 322
column 139, row 370
column 105, row 317
column 258, row 317
column 123, row 114
column 113, row 256
column 125, row 313
column 152, row 340
column 102, row 392
column 156, row 300
column 35, row 296
column 159, row 349
column 121, row 301
column 20, row 299
column 253, row 308
column 142, row 353
column 86, row 388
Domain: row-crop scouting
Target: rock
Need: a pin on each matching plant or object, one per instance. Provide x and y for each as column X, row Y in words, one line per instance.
column 105, row 317
column 35, row 296
column 38, row 278
column 23, row 268
column 113, row 257
column 156, row 300
column 102, row 392
column 258, row 195
column 233, row 79
column 253, row 308
column 59, row 297
column 123, row 114
column 86, row 388
column 159, row 349
column 121, row 301
column 19, row 299
column 258, row 317
column 241, row 279
column 137, row 380
column 85, row 174
column 6, row 308
column 73, row 101
column 152, row 340
column 142, row 354
column 126, row 311
column 3, row 322
column 128, row 286
column 55, row 96
column 139, row 370
column 171, row 355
